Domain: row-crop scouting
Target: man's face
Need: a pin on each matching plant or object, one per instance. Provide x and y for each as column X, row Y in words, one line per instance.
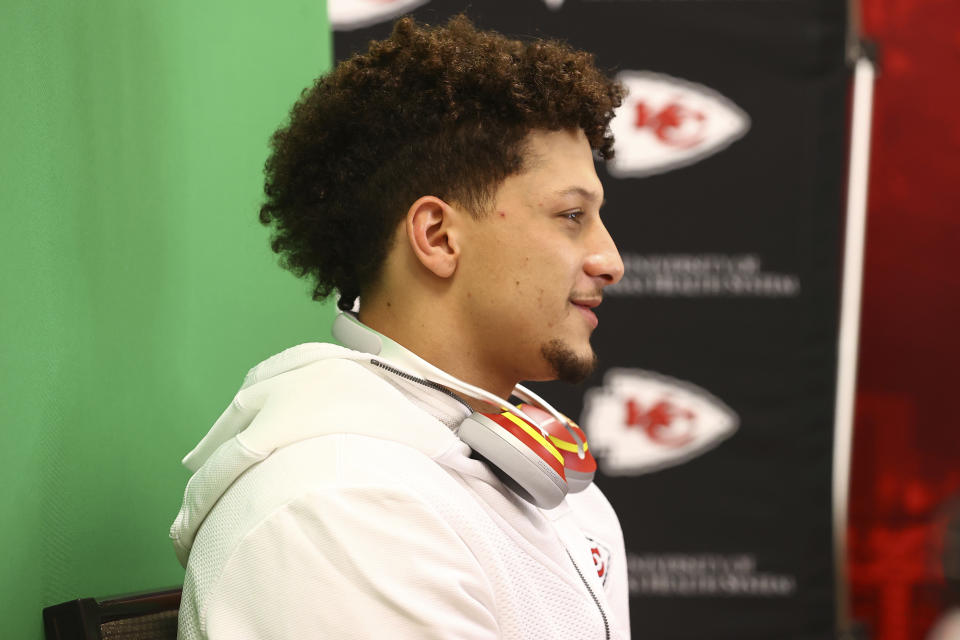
column 536, row 264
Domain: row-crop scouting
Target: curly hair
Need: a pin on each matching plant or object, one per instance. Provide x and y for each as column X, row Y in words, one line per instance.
column 440, row 111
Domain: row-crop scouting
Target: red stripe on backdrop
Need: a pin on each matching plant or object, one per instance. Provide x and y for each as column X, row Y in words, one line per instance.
column 906, row 458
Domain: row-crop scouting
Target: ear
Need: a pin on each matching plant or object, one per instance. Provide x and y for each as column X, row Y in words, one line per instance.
column 430, row 227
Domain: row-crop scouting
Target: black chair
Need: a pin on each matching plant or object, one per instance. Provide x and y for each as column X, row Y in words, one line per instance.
column 141, row 616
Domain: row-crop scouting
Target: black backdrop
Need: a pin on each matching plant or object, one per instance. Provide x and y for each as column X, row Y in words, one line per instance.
column 712, row 414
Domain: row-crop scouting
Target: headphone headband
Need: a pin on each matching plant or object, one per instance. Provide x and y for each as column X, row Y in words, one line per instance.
column 510, row 441
column 352, row 333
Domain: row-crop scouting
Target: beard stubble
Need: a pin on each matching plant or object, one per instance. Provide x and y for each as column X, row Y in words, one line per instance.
column 567, row 365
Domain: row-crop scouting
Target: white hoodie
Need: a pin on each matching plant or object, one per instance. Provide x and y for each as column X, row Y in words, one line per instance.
column 332, row 499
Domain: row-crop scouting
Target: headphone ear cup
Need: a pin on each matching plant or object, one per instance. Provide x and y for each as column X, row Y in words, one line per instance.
column 578, row 471
column 520, row 451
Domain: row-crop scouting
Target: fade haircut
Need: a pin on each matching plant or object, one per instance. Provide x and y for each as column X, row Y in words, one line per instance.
column 440, row 111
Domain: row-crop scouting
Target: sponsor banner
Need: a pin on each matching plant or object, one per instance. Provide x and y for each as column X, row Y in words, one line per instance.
column 706, row 574
column 702, row 276
column 711, row 414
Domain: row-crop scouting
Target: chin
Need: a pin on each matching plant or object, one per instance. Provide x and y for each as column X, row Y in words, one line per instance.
column 567, row 364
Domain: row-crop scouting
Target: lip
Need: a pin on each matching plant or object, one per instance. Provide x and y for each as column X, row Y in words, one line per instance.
column 585, row 308
column 589, row 303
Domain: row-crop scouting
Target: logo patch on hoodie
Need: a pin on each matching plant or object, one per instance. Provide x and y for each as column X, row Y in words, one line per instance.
column 601, row 558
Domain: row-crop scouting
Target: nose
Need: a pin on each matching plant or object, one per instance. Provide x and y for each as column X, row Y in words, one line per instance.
column 604, row 262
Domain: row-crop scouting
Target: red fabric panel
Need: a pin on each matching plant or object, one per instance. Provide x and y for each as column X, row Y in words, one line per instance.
column 906, row 460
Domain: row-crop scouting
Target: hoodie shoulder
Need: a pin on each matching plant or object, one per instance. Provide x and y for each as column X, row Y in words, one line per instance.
column 293, row 397
column 337, row 396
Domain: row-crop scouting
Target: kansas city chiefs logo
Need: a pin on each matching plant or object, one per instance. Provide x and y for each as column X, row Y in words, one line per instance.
column 640, row 421
column 665, row 123
column 601, row 558
column 345, row 15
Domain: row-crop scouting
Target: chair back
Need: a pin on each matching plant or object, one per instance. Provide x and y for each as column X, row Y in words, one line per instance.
column 149, row 615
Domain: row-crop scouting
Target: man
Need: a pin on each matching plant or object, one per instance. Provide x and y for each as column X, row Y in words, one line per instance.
column 446, row 177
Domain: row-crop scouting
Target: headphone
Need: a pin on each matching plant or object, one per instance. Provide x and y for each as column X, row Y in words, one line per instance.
column 538, row 451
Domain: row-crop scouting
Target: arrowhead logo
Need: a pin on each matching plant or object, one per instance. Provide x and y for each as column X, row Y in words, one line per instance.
column 665, row 123
column 601, row 558
column 346, row 15
column 640, row 421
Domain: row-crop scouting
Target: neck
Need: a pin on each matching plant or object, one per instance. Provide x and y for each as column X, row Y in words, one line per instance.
column 416, row 328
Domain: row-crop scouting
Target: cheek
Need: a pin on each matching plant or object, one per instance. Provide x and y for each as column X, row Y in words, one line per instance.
column 544, row 293
column 535, row 275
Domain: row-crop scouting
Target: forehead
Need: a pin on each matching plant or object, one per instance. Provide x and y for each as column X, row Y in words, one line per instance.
column 556, row 163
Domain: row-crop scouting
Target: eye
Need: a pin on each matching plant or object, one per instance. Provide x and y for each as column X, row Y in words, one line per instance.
column 573, row 216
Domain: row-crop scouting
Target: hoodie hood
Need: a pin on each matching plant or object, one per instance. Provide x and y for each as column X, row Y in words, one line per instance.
column 307, row 391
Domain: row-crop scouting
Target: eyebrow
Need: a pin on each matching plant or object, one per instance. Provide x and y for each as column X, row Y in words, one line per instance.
column 592, row 196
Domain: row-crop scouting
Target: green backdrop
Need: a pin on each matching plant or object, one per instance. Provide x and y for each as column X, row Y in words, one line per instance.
column 137, row 284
